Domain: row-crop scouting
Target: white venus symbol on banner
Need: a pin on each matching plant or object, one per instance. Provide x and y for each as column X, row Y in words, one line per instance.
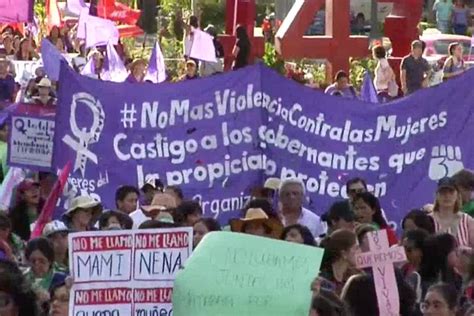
column 85, row 137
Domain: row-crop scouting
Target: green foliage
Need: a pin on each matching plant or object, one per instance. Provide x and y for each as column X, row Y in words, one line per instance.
column 272, row 60
column 172, row 50
column 213, row 13
column 173, row 5
column 40, row 13
column 358, row 68
column 176, row 27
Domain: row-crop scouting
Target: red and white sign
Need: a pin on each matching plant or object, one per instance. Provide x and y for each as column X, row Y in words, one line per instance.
column 126, row 272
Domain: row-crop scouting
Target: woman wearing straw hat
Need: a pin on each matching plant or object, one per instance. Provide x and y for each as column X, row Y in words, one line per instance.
column 82, row 214
column 256, row 222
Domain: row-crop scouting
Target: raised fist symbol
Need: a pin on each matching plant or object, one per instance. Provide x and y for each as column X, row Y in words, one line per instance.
column 445, row 161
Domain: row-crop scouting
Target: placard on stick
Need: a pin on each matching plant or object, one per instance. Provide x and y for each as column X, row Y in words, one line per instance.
column 381, row 258
column 126, row 272
column 237, row 274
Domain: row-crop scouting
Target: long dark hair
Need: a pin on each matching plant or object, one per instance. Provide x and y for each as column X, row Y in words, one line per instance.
column 434, row 263
column 241, row 34
column 308, row 238
column 19, row 216
column 421, row 220
column 361, row 298
column 373, row 202
column 19, row 53
column 13, row 283
column 334, row 244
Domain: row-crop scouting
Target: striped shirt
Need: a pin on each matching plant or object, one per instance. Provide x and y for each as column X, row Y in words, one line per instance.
column 460, row 232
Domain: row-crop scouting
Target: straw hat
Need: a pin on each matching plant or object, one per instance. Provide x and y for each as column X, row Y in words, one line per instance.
column 83, row 202
column 45, row 83
column 259, row 216
column 160, row 202
column 272, row 183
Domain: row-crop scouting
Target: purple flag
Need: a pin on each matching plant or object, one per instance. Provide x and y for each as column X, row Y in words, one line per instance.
column 114, row 69
column 89, row 68
column 100, row 31
column 12, row 11
column 81, row 25
column 51, row 59
column 156, row 71
column 368, row 92
column 76, row 6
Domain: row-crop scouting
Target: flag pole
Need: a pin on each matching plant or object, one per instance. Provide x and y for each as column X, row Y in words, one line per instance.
column 144, row 45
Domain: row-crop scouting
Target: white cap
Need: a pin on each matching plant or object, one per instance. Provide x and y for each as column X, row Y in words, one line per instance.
column 54, row 227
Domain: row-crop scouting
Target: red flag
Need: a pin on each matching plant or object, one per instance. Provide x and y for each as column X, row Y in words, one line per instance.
column 52, row 14
column 118, row 12
column 51, row 201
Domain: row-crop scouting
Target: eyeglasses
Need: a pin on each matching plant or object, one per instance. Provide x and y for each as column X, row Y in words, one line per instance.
column 5, row 300
column 436, row 305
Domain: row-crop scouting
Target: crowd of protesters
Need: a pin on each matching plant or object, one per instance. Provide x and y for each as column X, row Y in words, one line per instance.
column 437, row 279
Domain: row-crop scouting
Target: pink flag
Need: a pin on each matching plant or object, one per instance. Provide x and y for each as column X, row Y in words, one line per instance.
column 12, row 11
column 203, row 46
column 53, row 14
column 156, row 71
column 51, row 201
column 100, row 32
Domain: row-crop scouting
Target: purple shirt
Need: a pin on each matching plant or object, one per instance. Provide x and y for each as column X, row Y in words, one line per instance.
column 7, row 87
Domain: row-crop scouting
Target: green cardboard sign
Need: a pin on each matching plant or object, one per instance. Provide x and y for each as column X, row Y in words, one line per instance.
column 233, row 274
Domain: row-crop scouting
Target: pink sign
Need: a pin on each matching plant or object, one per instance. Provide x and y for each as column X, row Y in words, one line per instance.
column 381, row 258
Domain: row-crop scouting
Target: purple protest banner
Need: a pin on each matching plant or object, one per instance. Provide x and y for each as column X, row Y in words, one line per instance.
column 13, row 11
column 221, row 136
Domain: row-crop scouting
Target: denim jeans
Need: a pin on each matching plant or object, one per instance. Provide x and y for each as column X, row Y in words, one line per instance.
column 443, row 26
column 460, row 29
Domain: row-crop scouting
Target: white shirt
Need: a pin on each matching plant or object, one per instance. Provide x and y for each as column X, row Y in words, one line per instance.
column 312, row 221
column 138, row 218
column 383, row 75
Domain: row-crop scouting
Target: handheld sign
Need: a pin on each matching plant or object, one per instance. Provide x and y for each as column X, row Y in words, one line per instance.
column 31, row 142
column 126, row 272
column 381, row 259
column 237, row 274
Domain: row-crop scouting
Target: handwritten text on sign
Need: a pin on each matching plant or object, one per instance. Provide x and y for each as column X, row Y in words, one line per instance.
column 31, row 142
column 381, row 259
column 126, row 272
